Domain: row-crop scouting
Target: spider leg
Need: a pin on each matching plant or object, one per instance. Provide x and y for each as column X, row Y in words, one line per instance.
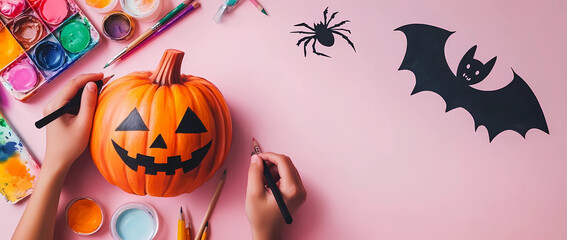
column 340, row 29
column 346, row 38
column 332, row 17
column 305, row 47
column 325, row 14
column 303, row 32
column 318, row 53
column 339, row 24
column 304, row 25
column 303, row 39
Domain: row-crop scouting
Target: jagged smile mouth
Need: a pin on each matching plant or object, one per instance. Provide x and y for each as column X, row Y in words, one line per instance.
column 173, row 162
column 466, row 77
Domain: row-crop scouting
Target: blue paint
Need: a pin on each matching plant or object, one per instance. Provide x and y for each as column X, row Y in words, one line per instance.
column 7, row 150
column 49, row 55
column 135, row 224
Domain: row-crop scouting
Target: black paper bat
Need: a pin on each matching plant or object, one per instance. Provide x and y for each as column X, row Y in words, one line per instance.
column 513, row 107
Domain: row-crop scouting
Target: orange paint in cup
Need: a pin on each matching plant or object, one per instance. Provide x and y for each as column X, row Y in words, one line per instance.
column 84, row 216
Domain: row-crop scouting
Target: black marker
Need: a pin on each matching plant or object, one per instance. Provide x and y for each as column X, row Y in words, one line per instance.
column 273, row 186
column 72, row 107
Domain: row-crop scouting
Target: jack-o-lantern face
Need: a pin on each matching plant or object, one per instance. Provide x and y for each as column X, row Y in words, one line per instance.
column 160, row 133
column 190, row 123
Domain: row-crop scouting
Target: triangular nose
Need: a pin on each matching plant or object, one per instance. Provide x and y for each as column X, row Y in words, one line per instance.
column 159, row 143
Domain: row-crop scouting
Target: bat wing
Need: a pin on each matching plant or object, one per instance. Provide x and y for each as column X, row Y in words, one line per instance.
column 425, row 57
column 513, row 107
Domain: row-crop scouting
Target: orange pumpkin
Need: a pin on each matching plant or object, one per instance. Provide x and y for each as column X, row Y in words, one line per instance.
column 160, row 133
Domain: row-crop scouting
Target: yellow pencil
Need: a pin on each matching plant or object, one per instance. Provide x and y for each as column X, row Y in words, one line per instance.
column 205, row 232
column 181, row 232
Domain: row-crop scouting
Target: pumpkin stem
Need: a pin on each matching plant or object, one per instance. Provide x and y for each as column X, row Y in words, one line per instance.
column 168, row 71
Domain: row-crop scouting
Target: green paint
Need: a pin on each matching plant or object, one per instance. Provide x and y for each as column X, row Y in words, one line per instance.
column 75, row 37
column 231, row 2
column 3, row 122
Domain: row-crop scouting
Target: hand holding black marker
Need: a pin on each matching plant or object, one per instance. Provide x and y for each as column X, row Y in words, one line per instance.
column 272, row 185
column 72, row 107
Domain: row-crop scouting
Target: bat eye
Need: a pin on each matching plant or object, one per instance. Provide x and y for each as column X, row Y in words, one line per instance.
column 468, row 66
column 476, row 73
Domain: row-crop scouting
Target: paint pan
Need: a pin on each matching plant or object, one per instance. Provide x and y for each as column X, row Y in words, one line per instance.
column 134, row 221
column 10, row 49
column 118, row 26
column 54, row 12
column 144, row 10
column 84, row 216
column 53, row 34
column 18, row 169
column 49, row 55
column 12, row 8
column 101, row 6
column 28, row 29
column 21, row 75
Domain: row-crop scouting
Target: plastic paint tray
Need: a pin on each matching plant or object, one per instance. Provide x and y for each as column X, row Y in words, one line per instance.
column 21, row 49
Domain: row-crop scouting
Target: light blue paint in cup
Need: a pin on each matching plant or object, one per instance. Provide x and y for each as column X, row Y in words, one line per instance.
column 137, row 221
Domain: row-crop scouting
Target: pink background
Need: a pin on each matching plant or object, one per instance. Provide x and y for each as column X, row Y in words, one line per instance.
column 377, row 163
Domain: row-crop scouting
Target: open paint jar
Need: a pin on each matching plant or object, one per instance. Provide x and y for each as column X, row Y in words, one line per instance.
column 145, row 10
column 101, row 6
column 134, row 221
column 84, row 216
column 118, row 26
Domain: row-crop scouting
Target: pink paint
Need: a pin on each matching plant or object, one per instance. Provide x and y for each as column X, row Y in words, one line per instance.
column 12, row 8
column 22, row 76
column 54, row 11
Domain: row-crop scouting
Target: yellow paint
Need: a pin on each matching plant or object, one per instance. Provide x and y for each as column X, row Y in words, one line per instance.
column 15, row 178
column 10, row 49
column 84, row 216
column 98, row 3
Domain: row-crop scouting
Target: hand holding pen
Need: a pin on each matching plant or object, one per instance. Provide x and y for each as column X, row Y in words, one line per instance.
column 263, row 213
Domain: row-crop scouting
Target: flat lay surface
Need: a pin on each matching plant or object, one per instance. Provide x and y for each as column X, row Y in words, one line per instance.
column 376, row 161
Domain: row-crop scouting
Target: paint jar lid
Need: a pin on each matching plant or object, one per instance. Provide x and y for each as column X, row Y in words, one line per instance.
column 84, row 216
column 144, row 10
column 134, row 220
column 101, row 6
column 118, row 26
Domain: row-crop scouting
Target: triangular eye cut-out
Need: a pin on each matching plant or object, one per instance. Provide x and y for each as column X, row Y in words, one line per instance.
column 190, row 123
column 133, row 122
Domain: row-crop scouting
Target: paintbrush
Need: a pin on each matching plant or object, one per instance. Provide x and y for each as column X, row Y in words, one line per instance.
column 182, row 14
column 71, row 107
column 149, row 32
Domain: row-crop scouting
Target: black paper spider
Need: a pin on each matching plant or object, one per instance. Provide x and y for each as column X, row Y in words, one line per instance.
column 323, row 33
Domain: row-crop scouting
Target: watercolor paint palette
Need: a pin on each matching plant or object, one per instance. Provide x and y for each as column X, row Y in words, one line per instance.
column 40, row 39
column 18, row 169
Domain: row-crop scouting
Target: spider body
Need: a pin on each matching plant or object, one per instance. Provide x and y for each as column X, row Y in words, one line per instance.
column 322, row 33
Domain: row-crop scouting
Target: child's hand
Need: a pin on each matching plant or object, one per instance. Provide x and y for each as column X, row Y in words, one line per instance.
column 68, row 136
column 266, row 220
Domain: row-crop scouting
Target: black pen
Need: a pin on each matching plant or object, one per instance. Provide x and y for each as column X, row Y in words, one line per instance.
column 72, row 107
column 272, row 185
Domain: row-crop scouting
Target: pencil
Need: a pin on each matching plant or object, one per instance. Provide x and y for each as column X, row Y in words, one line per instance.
column 72, row 107
column 205, row 232
column 181, row 232
column 211, row 207
column 188, row 228
column 272, row 184
column 149, row 32
column 259, row 7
